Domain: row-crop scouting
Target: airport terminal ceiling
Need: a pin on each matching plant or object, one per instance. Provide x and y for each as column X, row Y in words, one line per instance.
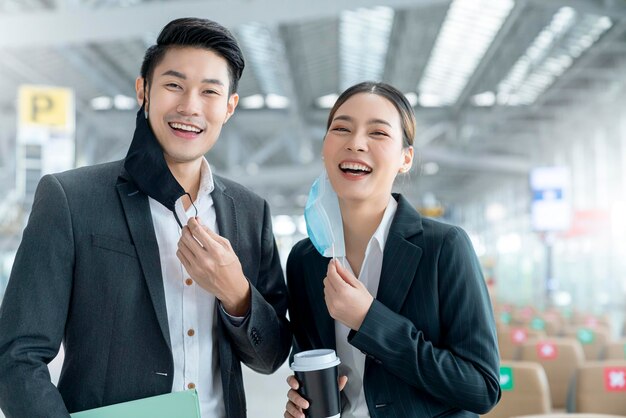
column 496, row 85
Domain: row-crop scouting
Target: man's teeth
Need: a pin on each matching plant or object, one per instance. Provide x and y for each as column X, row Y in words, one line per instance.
column 355, row 167
column 185, row 127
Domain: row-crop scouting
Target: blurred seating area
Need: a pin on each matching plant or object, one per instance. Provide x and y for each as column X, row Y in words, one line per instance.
column 558, row 364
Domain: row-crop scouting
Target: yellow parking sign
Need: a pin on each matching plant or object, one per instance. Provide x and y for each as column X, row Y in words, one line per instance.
column 46, row 107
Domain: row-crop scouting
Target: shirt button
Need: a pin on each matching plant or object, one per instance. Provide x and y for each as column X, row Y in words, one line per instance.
column 191, row 386
column 188, row 282
column 191, row 332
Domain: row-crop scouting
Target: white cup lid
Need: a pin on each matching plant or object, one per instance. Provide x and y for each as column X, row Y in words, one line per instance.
column 311, row 360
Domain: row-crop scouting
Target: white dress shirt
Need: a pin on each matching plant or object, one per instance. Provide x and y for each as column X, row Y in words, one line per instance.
column 191, row 311
column 352, row 359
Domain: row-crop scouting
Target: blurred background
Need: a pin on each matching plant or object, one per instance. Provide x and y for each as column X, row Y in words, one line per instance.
column 521, row 139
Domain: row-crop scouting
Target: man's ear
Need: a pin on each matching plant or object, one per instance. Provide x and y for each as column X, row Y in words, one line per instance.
column 139, row 89
column 233, row 100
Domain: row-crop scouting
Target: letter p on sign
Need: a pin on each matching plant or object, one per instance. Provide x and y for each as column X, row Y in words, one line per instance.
column 46, row 107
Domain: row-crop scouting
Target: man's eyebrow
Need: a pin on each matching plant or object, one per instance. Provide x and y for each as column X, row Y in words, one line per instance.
column 369, row 122
column 175, row 74
column 184, row 77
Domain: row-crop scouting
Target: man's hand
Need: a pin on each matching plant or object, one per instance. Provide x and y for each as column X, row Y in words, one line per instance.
column 347, row 299
column 296, row 403
column 211, row 262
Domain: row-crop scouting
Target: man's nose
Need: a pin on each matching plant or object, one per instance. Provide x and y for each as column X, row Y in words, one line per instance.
column 189, row 105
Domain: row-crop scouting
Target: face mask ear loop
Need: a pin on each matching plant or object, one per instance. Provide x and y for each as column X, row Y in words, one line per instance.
column 178, row 220
column 194, row 206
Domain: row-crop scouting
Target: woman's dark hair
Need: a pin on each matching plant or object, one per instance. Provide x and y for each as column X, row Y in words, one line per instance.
column 390, row 93
column 197, row 33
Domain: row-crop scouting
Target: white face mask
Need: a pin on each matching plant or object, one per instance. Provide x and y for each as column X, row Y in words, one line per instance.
column 323, row 218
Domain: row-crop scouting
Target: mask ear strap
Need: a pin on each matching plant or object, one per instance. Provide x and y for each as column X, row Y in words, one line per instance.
column 191, row 200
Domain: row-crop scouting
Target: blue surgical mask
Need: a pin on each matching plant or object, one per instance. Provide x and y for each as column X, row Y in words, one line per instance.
column 323, row 218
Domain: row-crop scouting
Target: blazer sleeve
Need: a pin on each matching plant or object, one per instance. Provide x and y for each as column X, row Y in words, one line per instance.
column 35, row 307
column 263, row 340
column 462, row 370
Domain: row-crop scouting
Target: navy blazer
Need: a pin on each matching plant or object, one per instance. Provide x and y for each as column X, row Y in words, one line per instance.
column 429, row 336
column 87, row 273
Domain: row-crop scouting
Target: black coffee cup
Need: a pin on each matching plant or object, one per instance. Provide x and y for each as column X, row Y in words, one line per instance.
column 316, row 371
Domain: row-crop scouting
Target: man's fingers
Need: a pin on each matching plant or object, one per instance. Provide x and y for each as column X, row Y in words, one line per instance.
column 212, row 234
column 183, row 259
column 201, row 234
column 183, row 248
column 297, row 400
column 192, row 242
column 217, row 237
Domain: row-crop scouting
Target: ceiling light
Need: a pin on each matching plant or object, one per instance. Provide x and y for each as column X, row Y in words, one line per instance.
column 411, row 97
column 430, row 100
column 121, row 102
column 274, row 101
column 101, row 103
column 430, row 168
column 363, row 43
column 485, row 99
column 467, row 32
column 284, row 226
column 256, row 101
column 552, row 52
column 327, row 101
column 264, row 54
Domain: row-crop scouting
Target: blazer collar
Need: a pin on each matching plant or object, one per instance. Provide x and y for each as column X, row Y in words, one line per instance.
column 139, row 219
column 401, row 256
column 225, row 212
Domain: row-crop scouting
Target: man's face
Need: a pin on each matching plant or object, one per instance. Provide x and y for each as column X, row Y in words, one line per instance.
column 188, row 102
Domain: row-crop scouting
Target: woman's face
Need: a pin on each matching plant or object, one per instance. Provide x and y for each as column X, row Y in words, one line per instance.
column 363, row 150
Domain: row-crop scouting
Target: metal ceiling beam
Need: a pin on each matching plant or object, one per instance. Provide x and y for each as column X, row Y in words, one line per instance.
column 611, row 8
column 582, row 63
column 19, row 30
column 476, row 162
column 284, row 175
column 91, row 70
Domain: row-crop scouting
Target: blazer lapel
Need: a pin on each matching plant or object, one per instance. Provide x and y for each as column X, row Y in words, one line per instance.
column 401, row 256
column 137, row 210
column 225, row 213
column 324, row 323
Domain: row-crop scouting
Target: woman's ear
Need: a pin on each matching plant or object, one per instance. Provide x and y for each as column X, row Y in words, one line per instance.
column 407, row 155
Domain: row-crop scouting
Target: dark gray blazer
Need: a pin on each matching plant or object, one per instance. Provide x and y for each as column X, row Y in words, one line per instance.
column 429, row 336
column 87, row 274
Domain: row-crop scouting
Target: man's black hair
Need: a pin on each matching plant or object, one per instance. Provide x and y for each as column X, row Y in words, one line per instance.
column 197, row 33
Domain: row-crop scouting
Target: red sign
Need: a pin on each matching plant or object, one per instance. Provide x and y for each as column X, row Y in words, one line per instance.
column 589, row 222
column 615, row 379
column 547, row 351
column 518, row 335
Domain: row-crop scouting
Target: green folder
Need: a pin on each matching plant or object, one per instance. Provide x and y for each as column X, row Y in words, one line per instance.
column 171, row 405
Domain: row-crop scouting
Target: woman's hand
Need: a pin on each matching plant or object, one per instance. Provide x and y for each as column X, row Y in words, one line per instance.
column 296, row 403
column 347, row 299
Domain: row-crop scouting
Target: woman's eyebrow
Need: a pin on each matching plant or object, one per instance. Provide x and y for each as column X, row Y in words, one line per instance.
column 369, row 122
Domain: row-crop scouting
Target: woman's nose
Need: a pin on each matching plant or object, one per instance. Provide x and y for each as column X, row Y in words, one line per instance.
column 357, row 143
